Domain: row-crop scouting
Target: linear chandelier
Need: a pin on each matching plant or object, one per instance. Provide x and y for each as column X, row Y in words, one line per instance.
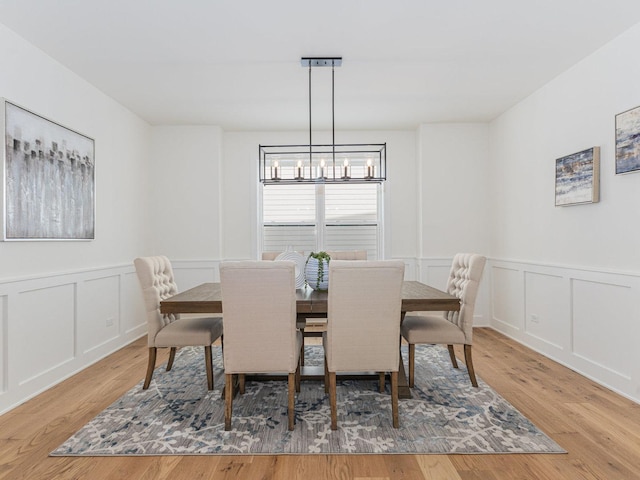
column 311, row 163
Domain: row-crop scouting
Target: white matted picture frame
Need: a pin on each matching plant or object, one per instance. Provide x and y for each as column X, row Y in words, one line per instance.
column 578, row 178
column 48, row 187
column 628, row 141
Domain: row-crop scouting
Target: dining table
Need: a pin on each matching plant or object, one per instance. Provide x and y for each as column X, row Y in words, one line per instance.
column 310, row 304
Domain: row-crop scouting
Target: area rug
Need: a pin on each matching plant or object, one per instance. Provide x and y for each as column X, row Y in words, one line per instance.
column 178, row 416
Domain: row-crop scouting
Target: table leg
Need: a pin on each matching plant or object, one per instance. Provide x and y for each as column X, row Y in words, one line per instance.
column 403, row 382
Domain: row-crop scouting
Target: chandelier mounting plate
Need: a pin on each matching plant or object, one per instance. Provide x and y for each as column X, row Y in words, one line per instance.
column 321, row 61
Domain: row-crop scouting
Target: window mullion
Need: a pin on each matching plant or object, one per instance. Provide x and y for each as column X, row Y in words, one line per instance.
column 320, row 217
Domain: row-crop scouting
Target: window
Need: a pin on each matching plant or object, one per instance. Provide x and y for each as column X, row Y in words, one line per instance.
column 313, row 217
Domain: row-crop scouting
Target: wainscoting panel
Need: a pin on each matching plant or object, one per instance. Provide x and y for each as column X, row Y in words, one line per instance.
column 545, row 308
column 99, row 314
column 586, row 319
column 133, row 317
column 46, row 332
column 3, row 344
column 601, row 319
column 53, row 326
column 507, row 297
column 190, row 273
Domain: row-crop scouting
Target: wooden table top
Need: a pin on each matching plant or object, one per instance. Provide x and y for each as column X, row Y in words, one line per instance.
column 207, row 298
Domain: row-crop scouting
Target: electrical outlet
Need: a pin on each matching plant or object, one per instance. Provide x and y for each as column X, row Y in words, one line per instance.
column 109, row 321
column 534, row 318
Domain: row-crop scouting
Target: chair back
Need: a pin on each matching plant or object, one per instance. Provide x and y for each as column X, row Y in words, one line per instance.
column 364, row 305
column 348, row 255
column 464, row 281
column 156, row 280
column 259, row 309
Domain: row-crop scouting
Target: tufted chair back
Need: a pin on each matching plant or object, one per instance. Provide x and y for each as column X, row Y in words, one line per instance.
column 464, row 280
column 156, row 280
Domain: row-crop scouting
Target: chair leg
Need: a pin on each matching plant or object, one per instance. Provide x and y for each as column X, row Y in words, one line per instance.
column 333, row 401
column 412, row 363
column 172, row 357
column 302, row 348
column 394, row 399
column 209, row 364
column 469, row 362
column 298, row 378
column 241, row 383
column 452, row 355
column 326, row 375
column 381, row 382
column 292, row 394
column 151, row 365
column 228, row 400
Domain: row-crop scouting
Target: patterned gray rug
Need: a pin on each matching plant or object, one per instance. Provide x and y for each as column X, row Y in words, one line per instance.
column 178, row 416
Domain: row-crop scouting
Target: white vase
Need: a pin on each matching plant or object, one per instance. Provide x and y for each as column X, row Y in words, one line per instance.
column 311, row 274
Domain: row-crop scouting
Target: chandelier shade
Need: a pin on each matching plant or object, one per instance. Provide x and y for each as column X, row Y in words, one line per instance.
column 353, row 162
column 323, row 163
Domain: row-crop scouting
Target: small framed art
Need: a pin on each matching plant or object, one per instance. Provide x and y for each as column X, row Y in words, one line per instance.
column 628, row 141
column 48, row 192
column 578, row 178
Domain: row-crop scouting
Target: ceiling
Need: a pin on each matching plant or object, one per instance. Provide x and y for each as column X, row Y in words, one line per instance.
column 236, row 63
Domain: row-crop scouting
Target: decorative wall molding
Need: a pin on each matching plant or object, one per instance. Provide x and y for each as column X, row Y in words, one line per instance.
column 56, row 325
column 585, row 319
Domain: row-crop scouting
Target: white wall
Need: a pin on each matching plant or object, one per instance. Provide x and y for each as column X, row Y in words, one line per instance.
column 566, row 280
column 185, row 192
column 454, row 183
column 63, row 305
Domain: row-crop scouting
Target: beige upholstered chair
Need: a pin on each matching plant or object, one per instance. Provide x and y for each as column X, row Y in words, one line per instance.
column 259, row 304
column 363, row 331
column 319, row 323
column 449, row 328
column 156, row 280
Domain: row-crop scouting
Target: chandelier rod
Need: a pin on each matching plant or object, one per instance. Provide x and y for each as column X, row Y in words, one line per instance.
column 310, row 142
column 333, row 115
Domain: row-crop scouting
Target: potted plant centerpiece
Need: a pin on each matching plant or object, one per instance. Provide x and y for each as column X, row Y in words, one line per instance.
column 316, row 270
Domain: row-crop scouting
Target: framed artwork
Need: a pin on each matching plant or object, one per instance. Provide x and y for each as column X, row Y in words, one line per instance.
column 628, row 141
column 48, row 192
column 578, row 178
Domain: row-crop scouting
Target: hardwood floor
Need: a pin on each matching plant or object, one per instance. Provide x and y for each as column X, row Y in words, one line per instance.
column 599, row 429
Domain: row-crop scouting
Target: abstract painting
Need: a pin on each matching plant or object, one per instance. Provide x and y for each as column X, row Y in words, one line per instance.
column 628, row 141
column 578, row 178
column 49, row 179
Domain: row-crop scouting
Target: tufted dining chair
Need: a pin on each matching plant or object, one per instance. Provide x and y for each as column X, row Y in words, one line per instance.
column 157, row 282
column 449, row 328
column 363, row 329
column 259, row 304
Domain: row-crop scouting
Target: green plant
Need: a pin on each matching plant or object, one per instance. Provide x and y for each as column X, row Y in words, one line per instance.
column 320, row 257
